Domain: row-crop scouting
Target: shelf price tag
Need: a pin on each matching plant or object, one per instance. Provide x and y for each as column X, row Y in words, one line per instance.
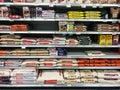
column 51, row 5
column 23, row 47
column 7, row 5
column 69, row 85
column 100, row 6
column 94, row 6
column 68, row 5
column 83, row 6
column 114, row 21
column 11, row 33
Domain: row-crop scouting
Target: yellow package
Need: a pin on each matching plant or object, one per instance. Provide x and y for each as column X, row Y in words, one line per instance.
column 108, row 39
column 102, row 39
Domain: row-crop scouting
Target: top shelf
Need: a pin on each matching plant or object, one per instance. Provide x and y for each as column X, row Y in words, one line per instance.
column 63, row 4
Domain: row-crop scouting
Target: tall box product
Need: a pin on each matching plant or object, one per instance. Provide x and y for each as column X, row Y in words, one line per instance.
column 108, row 39
column 102, row 39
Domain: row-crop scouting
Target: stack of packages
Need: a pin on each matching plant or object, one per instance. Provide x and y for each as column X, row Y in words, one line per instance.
column 44, row 41
column 93, row 14
column 30, row 63
column 10, row 39
column 80, row 28
column 107, row 27
column 59, row 40
column 2, row 62
column 88, row 76
column 83, row 62
column 71, row 76
column 28, row 41
column 48, row 14
column 5, row 28
column 19, row 27
column 75, row 14
column 84, row 40
column 102, row 62
column 115, row 62
column 48, row 62
column 5, row 76
column 4, row 52
column 72, row 41
column 50, row 77
column 108, row 76
column 13, row 63
column 67, row 62
column 24, row 76
column 20, row 52
column 39, row 52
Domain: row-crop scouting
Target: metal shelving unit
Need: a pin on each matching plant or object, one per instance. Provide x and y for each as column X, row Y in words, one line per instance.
column 108, row 55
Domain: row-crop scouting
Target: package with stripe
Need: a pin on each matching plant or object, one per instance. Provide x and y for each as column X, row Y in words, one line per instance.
column 48, row 14
column 4, row 52
column 30, row 63
column 26, row 12
column 80, row 28
column 19, row 27
column 5, row 76
column 13, row 63
column 28, row 41
column 59, row 40
column 83, row 62
column 42, row 41
column 39, row 52
column 88, row 76
column 48, row 62
column 108, row 76
column 24, row 76
column 20, row 52
column 67, row 62
column 5, row 28
column 71, row 76
column 61, row 16
column 50, row 77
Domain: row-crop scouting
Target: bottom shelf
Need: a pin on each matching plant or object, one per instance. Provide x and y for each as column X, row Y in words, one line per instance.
column 66, row 85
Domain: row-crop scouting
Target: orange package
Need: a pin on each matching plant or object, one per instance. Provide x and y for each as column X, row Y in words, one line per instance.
column 83, row 61
column 100, row 65
column 21, row 27
column 83, row 65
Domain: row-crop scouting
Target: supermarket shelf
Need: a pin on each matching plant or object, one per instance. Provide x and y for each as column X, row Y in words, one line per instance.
column 55, row 32
column 108, row 55
column 54, row 68
column 67, row 85
column 67, row 46
column 63, row 4
column 42, row 19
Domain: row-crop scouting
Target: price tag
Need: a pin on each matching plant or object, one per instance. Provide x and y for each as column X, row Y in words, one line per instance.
column 118, row 21
column 69, row 84
column 68, row 5
column 83, row 6
column 104, row 20
column 7, row 5
column 51, row 5
column 23, row 47
column 114, row 33
column 11, row 33
column 94, row 6
column 11, row 20
column 114, row 21
column 100, row 6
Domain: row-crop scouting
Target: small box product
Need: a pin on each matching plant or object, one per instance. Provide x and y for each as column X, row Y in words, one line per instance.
column 50, row 77
column 70, row 1
column 102, row 39
column 26, row 12
column 108, row 39
column 114, row 12
column 70, row 26
column 54, row 1
column 72, row 41
column 62, row 26
column 59, row 40
column 8, row 0
column 39, row 12
column 103, row 1
column 80, row 28
column 48, row 14
column 61, row 16
column 112, row 1
column 61, row 51
column 115, row 39
column 32, row 12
